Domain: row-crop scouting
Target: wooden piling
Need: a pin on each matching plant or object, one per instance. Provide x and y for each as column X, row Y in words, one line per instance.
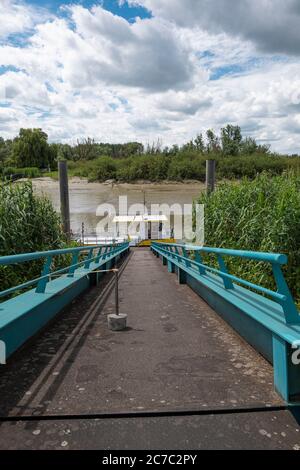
column 64, row 197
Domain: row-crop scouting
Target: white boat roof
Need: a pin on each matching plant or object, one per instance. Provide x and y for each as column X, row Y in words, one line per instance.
column 140, row 218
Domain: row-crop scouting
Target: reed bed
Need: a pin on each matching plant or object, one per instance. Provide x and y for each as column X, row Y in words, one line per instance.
column 27, row 223
column 259, row 215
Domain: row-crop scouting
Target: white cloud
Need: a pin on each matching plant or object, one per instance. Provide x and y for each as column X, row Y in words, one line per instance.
column 25, row 90
column 271, row 24
column 94, row 74
column 105, row 48
column 186, row 103
column 18, row 17
column 147, row 54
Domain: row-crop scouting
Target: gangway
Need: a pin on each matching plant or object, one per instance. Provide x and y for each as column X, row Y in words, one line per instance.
column 204, row 363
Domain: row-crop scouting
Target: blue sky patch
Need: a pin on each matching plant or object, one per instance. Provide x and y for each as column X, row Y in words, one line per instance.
column 206, row 55
column 126, row 11
column 8, row 68
column 49, row 87
column 236, row 68
column 113, row 106
column 220, row 72
column 17, row 39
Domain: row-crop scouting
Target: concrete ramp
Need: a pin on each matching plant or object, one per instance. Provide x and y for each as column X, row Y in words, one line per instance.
column 178, row 369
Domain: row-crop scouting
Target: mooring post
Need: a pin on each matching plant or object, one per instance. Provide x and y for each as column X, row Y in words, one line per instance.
column 82, row 233
column 117, row 321
column 117, row 291
column 64, row 197
column 210, row 176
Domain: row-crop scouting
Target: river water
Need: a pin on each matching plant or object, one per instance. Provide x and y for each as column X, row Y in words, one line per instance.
column 86, row 197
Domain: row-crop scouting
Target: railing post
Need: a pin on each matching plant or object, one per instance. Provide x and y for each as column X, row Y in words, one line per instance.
column 181, row 276
column 73, row 265
column 99, row 255
column 199, row 260
column 289, row 308
column 41, row 286
column 89, row 259
column 228, row 284
column 105, row 253
column 177, row 251
column 171, row 267
column 171, row 252
column 109, row 263
column 185, row 254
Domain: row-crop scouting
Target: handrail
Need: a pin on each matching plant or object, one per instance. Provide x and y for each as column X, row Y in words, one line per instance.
column 283, row 295
column 22, row 258
column 108, row 252
column 254, row 255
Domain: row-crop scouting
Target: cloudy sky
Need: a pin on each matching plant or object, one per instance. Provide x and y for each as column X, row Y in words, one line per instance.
column 120, row 70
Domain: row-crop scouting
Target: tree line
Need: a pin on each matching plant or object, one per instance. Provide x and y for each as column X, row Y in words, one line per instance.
column 32, row 149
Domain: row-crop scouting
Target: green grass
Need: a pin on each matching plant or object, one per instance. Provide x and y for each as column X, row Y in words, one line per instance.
column 28, row 223
column 52, row 174
column 30, row 172
column 258, row 215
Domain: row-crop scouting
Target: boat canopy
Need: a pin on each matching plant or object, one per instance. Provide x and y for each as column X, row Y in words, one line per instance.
column 140, row 218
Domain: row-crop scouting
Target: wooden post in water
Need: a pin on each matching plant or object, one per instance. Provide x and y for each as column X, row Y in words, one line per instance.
column 64, row 197
column 210, row 176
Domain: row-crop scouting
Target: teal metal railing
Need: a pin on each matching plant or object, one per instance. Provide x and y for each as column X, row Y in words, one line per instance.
column 180, row 254
column 92, row 254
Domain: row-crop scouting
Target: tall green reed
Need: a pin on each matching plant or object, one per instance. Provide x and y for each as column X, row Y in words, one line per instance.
column 258, row 215
column 27, row 223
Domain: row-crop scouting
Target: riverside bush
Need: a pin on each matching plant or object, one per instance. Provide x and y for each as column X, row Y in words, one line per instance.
column 180, row 167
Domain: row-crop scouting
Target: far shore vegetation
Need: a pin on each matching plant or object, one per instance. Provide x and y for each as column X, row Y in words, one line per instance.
column 31, row 155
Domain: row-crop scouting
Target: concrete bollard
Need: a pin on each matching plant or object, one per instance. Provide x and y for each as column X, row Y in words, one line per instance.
column 117, row 322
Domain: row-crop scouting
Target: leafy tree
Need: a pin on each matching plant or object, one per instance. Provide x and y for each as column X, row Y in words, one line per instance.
column 122, row 150
column 263, row 149
column 248, row 146
column 5, row 151
column 155, row 148
column 131, row 148
column 2, row 150
column 174, row 150
column 64, row 151
column 199, row 143
column 189, row 146
column 213, row 142
column 231, row 138
column 31, row 149
column 85, row 149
